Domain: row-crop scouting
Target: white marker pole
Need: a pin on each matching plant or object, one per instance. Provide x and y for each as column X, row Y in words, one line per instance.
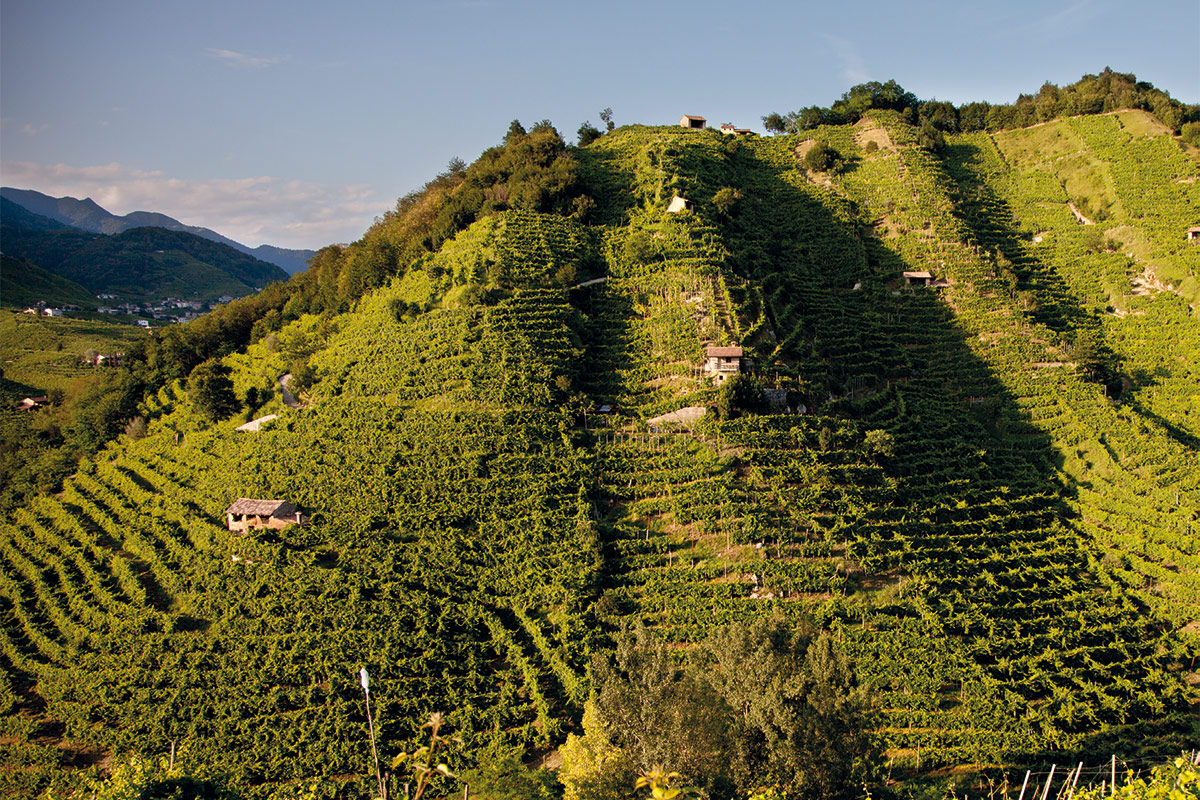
column 366, row 686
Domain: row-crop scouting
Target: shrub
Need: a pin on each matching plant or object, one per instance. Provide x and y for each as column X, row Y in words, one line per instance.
column 822, row 158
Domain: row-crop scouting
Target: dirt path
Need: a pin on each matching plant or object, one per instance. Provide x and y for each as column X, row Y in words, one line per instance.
column 289, row 399
column 1079, row 216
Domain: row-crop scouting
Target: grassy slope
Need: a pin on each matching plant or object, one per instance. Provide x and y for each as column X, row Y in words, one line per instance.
column 43, row 353
column 471, row 543
column 23, row 283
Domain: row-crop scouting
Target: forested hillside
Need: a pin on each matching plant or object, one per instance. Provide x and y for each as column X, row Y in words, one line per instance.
column 87, row 215
column 139, row 264
column 980, row 497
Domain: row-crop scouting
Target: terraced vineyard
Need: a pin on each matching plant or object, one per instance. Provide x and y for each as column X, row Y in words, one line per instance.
column 1007, row 554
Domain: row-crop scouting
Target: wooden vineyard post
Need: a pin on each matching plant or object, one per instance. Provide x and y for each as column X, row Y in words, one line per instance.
column 1024, row 783
column 1049, row 780
column 1075, row 780
column 1113, row 786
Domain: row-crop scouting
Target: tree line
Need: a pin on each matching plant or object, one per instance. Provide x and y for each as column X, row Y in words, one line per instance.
column 1091, row 94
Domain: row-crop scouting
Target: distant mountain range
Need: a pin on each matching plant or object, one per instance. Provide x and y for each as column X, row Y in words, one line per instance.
column 87, row 215
column 139, row 264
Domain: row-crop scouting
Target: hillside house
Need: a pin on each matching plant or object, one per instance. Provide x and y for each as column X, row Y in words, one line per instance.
column 729, row 130
column 680, row 204
column 108, row 360
column 246, row 513
column 722, row 362
column 1193, row 234
column 33, row 403
column 918, row 278
column 692, row 123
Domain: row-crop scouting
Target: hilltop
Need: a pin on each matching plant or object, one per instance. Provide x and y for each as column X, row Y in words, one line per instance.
column 980, row 479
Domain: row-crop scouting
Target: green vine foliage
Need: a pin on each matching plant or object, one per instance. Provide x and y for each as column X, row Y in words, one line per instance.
column 1002, row 545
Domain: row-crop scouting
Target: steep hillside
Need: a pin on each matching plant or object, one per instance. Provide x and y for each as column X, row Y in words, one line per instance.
column 23, row 283
column 87, row 215
column 140, row 264
column 986, row 491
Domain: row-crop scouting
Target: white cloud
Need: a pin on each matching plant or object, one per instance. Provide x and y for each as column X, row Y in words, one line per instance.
column 236, row 59
column 253, row 210
column 854, row 69
column 33, row 130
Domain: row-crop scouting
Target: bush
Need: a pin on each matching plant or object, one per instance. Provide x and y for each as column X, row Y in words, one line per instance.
column 136, row 429
column 741, row 394
column 822, row 158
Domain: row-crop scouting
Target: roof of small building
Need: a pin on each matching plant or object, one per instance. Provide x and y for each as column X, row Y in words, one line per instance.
column 712, row 351
column 1194, row 229
column 681, row 415
column 253, row 425
column 918, row 274
column 692, row 116
column 256, row 508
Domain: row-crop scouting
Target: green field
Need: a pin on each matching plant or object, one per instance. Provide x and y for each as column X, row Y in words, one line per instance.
column 44, row 353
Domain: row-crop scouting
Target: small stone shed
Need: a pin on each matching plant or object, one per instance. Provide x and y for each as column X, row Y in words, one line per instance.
column 918, row 278
column 730, row 130
column 680, row 204
column 722, row 362
column 692, row 123
column 1193, row 234
column 247, row 513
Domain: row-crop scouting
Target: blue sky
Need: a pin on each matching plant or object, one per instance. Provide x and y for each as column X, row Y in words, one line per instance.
column 296, row 123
